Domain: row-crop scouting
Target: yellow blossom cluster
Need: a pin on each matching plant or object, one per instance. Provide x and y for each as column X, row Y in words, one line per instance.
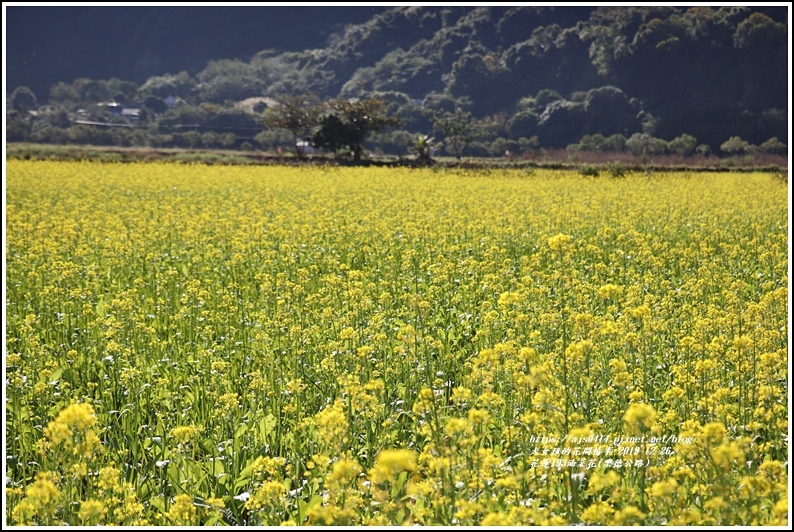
column 267, row 346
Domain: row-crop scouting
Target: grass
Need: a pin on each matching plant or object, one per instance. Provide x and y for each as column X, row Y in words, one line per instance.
column 553, row 159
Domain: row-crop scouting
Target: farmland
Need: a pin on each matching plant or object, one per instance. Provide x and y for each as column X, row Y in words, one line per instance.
column 198, row 345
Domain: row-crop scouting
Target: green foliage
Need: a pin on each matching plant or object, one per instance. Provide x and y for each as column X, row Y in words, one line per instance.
column 644, row 144
column 608, row 111
column 589, row 143
column 616, row 169
column 459, row 130
column 191, row 138
column 704, row 150
column 228, row 80
column 560, row 121
column 297, row 114
column 270, row 139
column 683, row 145
column 18, row 131
column 422, row 146
column 23, row 100
column 489, row 61
column 760, row 32
column 502, row 147
column 773, row 145
column 528, row 145
column 177, row 85
column 614, row 143
column 736, row 146
column 348, row 123
column 155, row 105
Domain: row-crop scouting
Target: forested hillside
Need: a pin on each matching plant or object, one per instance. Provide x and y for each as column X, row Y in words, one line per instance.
column 670, row 78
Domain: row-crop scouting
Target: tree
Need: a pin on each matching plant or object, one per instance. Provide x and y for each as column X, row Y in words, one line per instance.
column 773, row 145
column 180, row 85
column 23, row 100
column 18, row 131
column 332, row 134
column 683, row 145
column 608, row 111
column 644, row 144
column 458, row 128
column 297, row 114
column 736, row 145
column 349, row 122
column 155, row 105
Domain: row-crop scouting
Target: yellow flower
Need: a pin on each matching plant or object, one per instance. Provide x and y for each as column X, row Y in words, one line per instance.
column 332, row 424
column 44, row 489
column 455, row 426
column 215, row 503
column 713, row 433
column 742, row 343
column 508, row 298
column 639, row 417
column 184, row 434
column 597, row 513
column 496, row 519
column 663, row 488
column 92, row 511
column 110, row 479
column 610, row 291
column 344, row 471
column 182, row 511
column 640, row 312
column 271, row 466
column 390, row 462
column 559, row 242
column 40, row 500
column 728, row 454
column 628, row 515
column 601, row 481
column 79, row 417
column 715, row 504
column 80, row 469
column 268, row 494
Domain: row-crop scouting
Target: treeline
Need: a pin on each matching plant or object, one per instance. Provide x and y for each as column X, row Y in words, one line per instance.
column 484, row 81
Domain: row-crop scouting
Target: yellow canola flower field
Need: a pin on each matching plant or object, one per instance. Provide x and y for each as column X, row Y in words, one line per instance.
column 199, row 345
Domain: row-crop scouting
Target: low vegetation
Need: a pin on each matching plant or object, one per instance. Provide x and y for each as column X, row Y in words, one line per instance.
column 275, row 345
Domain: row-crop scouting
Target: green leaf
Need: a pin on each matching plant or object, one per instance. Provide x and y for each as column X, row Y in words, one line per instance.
column 101, row 307
column 55, row 375
column 304, row 506
column 266, row 426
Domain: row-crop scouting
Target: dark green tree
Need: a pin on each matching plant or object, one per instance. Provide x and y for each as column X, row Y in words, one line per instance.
column 348, row 123
column 23, row 100
column 297, row 114
column 332, row 135
column 459, row 129
column 736, row 146
column 155, row 105
column 773, row 145
column 683, row 145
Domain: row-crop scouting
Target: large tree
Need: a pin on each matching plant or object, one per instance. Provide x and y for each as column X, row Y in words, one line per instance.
column 348, row 122
column 23, row 100
column 297, row 114
column 459, row 129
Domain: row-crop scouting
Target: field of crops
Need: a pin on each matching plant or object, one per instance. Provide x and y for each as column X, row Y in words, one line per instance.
column 197, row 345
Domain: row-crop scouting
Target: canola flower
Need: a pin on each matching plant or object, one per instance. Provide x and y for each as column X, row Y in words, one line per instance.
column 270, row 346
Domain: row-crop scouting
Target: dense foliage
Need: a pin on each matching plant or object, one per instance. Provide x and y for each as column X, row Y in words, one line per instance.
column 554, row 74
